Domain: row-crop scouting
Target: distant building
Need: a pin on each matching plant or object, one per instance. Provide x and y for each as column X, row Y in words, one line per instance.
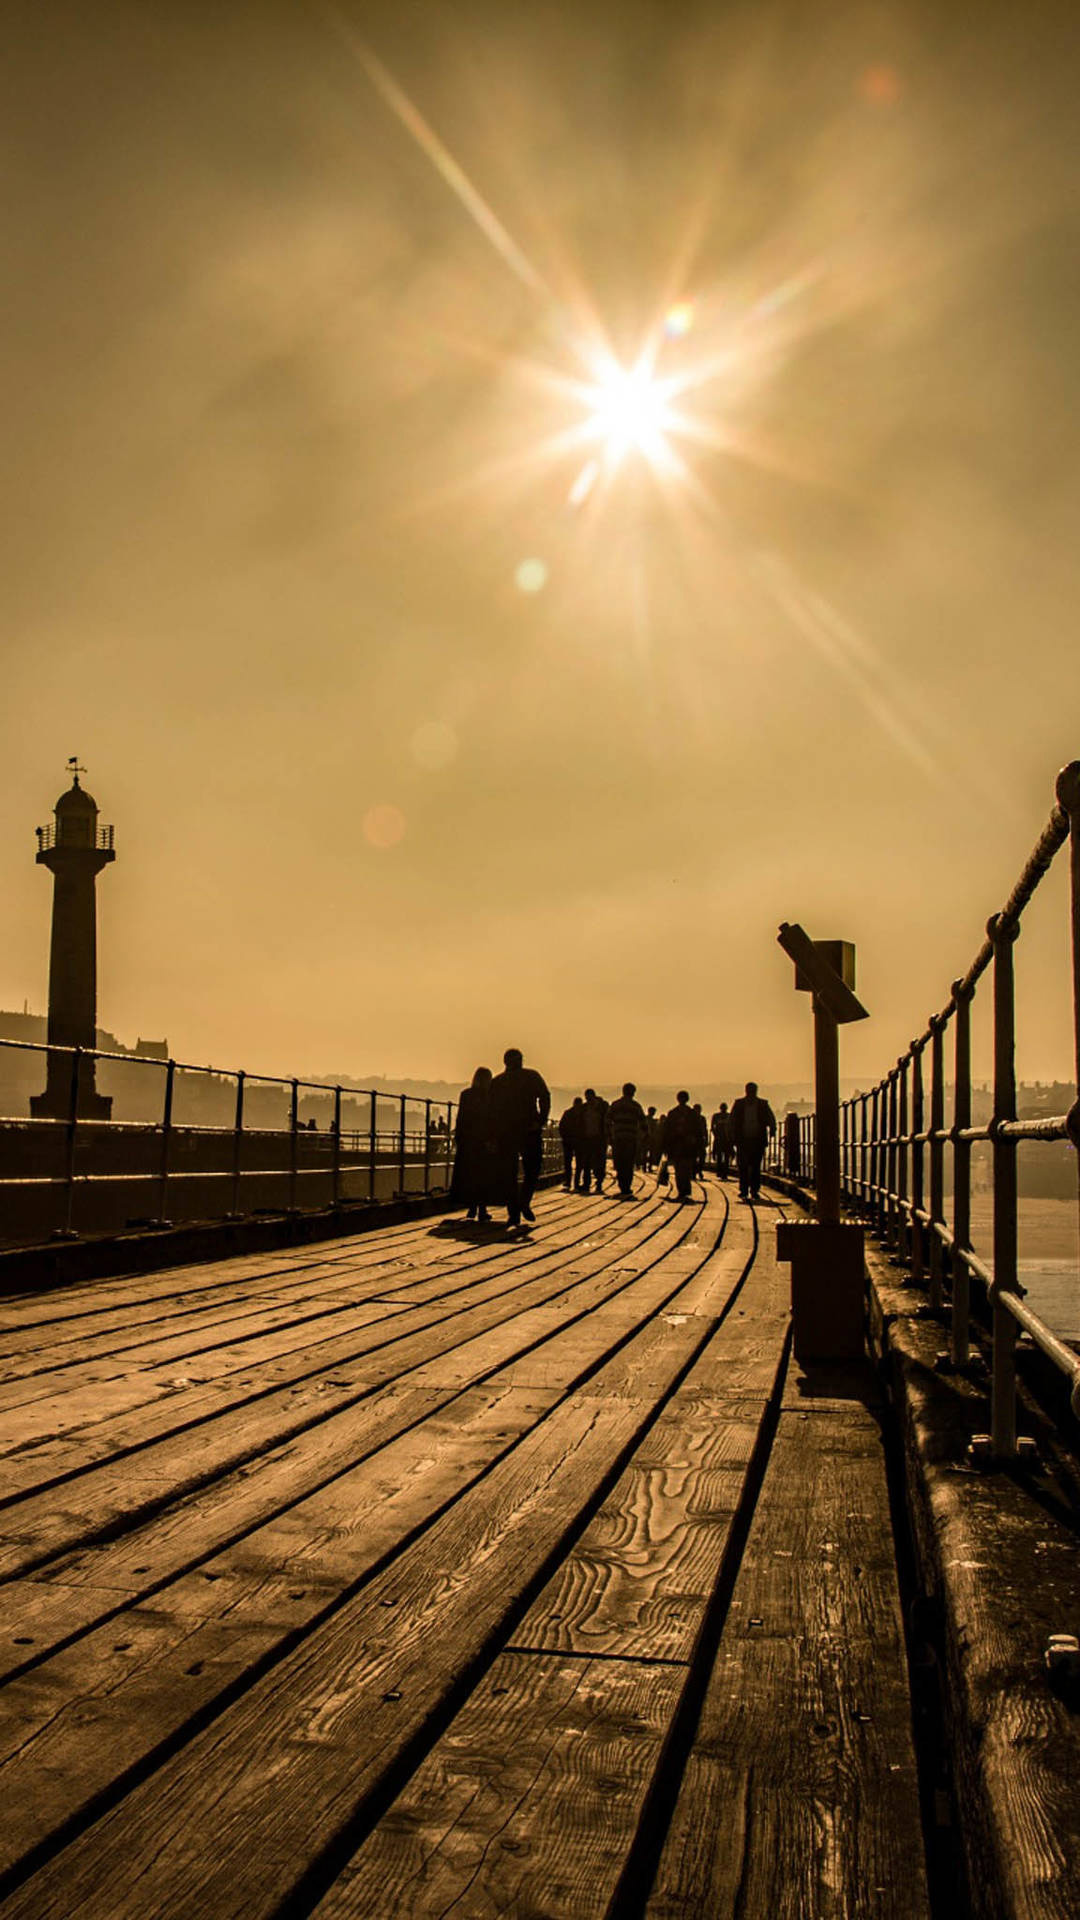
column 74, row 849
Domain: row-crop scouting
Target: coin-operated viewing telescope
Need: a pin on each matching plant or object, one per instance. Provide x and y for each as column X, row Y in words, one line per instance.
column 827, row 1256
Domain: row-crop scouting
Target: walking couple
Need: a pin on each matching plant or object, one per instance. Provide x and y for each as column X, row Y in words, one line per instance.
column 499, row 1140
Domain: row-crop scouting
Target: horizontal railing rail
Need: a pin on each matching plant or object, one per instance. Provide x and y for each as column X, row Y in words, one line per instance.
column 357, row 1145
column 896, row 1148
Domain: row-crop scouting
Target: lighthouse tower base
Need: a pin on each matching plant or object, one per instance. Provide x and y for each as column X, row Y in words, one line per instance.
column 55, row 1102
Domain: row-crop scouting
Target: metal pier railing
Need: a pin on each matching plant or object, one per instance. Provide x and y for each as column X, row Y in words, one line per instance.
column 894, row 1141
column 281, row 1144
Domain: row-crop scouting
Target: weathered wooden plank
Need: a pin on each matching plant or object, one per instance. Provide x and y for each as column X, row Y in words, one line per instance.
column 799, row 1796
column 192, row 1527
column 210, row 1339
column 76, row 1720
column 637, row 1582
column 283, row 1769
column 53, row 1324
column 162, row 1545
column 527, row 1805
column 214, row 1427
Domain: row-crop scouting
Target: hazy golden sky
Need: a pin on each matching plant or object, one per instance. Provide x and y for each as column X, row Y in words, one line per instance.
column 298, row 303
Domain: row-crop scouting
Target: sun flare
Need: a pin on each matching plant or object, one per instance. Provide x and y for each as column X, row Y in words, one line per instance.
column 628, row 410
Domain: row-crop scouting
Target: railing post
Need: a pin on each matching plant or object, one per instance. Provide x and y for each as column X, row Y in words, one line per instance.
column 890, row 1167
column 166, row 1142
column 1002, row 934
column 401, row 1148
column 238, row 1137
column 937, row 1161
column 960, row 1346
column 1068, row 798
column 67, row 1231
column 427, row 1147
column 875, row 1160
column 294, row 1140
column 903, row 1150
column 864, row 1153
column 335, row 1199
column 373, row 1143
column 917, row 1164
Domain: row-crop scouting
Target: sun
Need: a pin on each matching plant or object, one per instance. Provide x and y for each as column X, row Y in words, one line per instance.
column 628, row 410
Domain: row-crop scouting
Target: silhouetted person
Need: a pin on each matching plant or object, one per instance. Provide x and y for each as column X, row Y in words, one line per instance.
column 679, row 1138
column 570, row 1135
column 703, row 1139
column 653, row 1123
column 475, row 1177
column 626, row 1119
column 753, row 1124
column 721, row 1140
column 521, row 1104
column 593, row 1141
column 792, row 1146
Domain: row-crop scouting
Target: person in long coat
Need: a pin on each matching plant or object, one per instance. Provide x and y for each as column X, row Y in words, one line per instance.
column 521, row 1104
column 476, row 1167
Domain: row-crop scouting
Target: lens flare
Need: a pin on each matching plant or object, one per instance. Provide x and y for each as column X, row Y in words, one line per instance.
column 679, row 319
column 383, row 825
column 531, row 576
column 434, row 745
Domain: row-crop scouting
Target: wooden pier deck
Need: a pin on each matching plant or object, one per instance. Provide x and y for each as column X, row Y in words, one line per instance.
column 440, row 1572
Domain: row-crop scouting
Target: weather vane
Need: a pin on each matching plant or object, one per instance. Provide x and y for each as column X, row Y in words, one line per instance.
column 74, row 768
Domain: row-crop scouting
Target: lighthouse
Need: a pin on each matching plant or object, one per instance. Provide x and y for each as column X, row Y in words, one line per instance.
column 74, row 849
